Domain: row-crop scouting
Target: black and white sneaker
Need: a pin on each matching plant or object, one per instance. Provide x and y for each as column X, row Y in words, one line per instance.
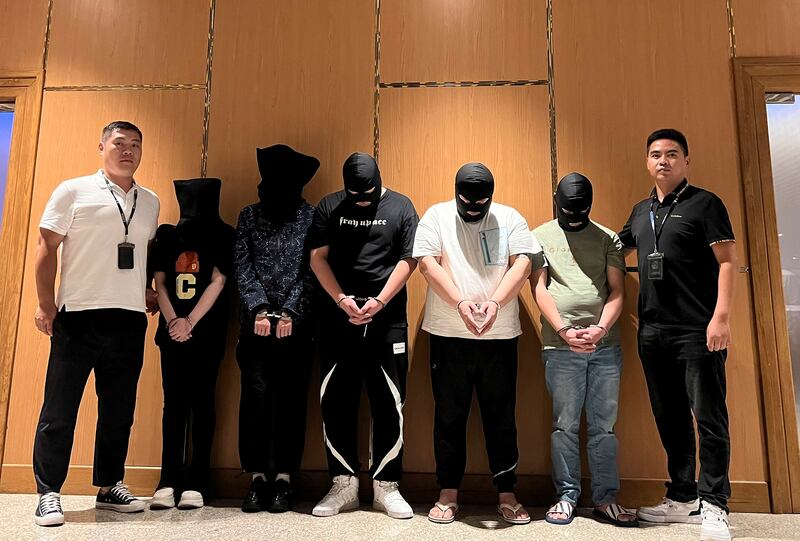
column 48, row 512
column 119, row 499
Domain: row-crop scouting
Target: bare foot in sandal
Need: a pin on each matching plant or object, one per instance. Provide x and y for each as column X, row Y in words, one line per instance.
column 616, row 514
column 446, row 498
column 511, row 509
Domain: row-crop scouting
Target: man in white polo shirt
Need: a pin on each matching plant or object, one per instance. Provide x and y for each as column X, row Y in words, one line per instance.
column 103, row 223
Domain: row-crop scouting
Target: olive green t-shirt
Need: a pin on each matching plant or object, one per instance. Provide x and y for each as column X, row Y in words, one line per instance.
column 577, row 279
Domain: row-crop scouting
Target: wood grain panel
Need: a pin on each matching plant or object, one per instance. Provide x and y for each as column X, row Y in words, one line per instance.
column 766, row 27
column 426, row 135
column 293, row 72
column 623, row 70
column 70, row 131
column 104, row 42
column 463, row 40
column 22, row 38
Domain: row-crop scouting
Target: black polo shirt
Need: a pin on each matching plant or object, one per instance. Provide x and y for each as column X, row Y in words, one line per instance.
column 687, row 295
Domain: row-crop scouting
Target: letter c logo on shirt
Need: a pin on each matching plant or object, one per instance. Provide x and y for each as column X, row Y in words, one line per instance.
column 184, row 286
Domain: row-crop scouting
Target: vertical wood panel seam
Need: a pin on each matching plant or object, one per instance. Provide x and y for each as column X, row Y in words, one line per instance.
column 207, row 103
column 731, row 28
column 377, row 91
column 48, row 22
column 552, row 97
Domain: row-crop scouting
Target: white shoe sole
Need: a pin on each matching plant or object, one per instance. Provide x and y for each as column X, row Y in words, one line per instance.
column 378, row 506
column 133, row 507
column 162, row 503
column 191, row 503
column 714, row 536
column 51, row 519
column 349, row 506
column 664, row 519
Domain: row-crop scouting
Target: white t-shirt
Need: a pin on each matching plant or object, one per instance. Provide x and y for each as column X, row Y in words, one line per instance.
column 475, row 256
column 83, row 210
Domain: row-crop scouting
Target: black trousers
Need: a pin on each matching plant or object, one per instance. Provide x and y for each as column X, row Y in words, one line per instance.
column 189, row 378
column 349, row 359
column 272, row 410
column 683, row 377
column 489, row 367
column 110, row 342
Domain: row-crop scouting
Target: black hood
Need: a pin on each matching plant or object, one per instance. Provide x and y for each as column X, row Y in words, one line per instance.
column 198, row 200
column 573, row 202
column 284, row 173
column 474, row 182
column 360, row 173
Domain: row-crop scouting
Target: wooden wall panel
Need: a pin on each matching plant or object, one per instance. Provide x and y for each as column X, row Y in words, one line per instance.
column 426, row 135
column 766, row 27
column 622, row 70
column 70, row 131
column 463, row 40
column 22, row 38
column 105, row 42
column 293, row 72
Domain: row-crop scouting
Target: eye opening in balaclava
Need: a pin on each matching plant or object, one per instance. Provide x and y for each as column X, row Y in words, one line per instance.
column 573, row 202
column 284, row 172
column 474, row 182
column 360, row 174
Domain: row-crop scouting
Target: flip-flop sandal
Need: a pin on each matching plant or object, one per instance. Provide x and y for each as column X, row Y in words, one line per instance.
column 443, row 507
column 563, row 507
column 514, row 510
column 612, row 513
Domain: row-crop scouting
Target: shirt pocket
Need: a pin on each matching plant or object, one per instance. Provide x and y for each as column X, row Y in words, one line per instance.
column 494, row 246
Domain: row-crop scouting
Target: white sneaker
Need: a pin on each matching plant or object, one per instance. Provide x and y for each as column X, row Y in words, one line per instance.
column 672, row 511
column 387, row 498
column 164, row 498
column 716, row 526
column 343, row 496
column 48, row 512
column 190, row 499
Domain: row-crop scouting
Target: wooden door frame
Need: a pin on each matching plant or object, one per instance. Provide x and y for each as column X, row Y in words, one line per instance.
column 25, row 90
column 754, row 77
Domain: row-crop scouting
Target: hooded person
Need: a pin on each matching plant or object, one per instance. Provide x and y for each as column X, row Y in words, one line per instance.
column 579, row 290
column 191, row 262
column 275, row 345
column 361, row 245
column 475, row 255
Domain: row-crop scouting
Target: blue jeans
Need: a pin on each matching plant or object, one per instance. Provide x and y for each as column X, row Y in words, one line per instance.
column 575, row 380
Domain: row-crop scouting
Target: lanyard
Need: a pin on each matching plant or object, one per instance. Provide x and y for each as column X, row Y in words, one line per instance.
column 657, row 232
column 125, row 222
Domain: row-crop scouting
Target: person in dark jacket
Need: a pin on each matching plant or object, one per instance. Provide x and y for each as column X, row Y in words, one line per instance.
column 275, row 342
column 191, row 260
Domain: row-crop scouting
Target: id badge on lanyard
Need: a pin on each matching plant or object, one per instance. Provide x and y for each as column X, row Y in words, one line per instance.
column 124, row 249
column 655, row 261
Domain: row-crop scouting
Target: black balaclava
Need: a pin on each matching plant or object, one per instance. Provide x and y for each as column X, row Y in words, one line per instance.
column 474, row 181
column 198, row 201
column 574, row 194
column 284, row 172
column 360, row 173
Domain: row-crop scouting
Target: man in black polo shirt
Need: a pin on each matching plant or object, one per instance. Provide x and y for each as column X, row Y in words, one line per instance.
column 687, row 260
column 361, row 244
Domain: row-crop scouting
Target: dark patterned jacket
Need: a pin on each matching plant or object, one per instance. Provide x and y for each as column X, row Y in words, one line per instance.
column 271, row 263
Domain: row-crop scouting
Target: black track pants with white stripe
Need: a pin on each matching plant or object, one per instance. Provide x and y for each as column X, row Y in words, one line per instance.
column 379, row 360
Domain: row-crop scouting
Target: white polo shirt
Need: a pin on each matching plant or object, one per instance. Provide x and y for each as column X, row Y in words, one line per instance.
column 83, row 210
column 475, row 256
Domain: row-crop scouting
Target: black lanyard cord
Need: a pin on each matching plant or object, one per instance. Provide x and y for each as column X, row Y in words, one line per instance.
column 657, row 232
column 125, row 222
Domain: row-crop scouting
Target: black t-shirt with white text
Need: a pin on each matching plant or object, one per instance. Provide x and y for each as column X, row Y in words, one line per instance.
column 365, row 245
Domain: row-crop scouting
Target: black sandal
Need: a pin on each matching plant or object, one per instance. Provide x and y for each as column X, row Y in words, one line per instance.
column 611, row 514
